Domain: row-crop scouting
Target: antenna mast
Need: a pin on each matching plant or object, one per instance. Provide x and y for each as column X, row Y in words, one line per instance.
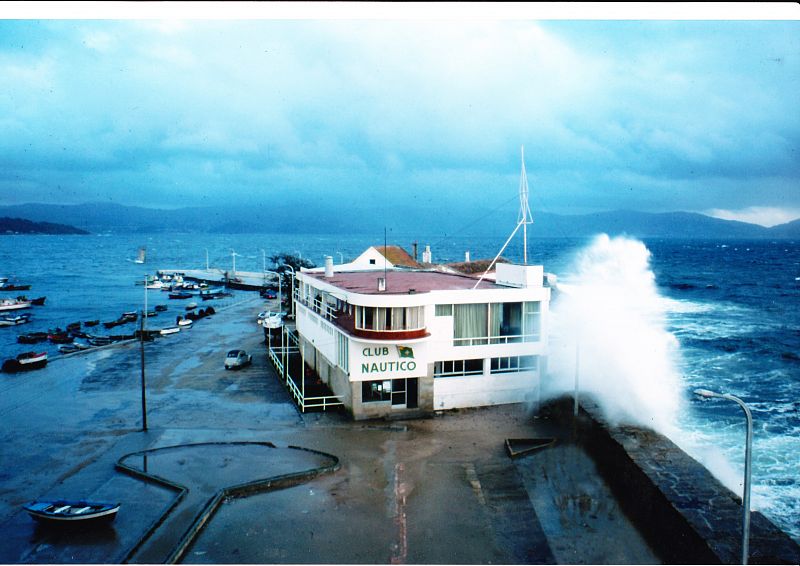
column 523, row 219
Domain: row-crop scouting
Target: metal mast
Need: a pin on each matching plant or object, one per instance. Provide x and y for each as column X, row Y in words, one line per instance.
column 525, row 217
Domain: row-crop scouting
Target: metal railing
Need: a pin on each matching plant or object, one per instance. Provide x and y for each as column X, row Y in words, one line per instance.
column 279, row 355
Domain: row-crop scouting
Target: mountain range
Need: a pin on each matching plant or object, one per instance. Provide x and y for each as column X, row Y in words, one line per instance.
column 271, row 218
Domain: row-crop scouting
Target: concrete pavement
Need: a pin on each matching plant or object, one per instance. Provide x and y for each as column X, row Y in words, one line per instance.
column 439, row 490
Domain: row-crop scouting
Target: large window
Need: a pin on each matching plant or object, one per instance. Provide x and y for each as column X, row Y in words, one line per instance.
column 509, row 364
column 496, row 323
column 389, row 318
column 458, row 368
column 375, row 391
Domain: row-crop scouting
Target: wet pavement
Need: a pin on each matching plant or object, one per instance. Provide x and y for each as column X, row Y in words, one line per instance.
column 437, row 490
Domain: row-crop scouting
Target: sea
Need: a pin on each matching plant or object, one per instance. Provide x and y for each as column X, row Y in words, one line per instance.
column 638, row 325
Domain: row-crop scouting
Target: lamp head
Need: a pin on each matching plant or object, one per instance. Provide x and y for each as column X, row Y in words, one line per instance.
column 705, row 393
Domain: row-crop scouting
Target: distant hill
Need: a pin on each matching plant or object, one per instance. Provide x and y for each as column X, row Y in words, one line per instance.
column 361, row 217
column 23, row 226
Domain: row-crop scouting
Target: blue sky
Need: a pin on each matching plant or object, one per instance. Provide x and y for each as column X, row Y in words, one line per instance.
column 654, row 115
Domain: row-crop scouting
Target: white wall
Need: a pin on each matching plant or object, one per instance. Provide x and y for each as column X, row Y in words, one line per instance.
column 483, row 390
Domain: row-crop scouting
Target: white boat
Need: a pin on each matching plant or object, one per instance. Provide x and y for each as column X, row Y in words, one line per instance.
column 14, row 304
column 14, row 320
column 167, row 331
column 157, row 284
column 71, row 511
column 140, row 256
column 184, row 322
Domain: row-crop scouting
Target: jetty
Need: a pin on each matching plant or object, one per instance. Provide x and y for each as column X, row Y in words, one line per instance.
column 243, row 280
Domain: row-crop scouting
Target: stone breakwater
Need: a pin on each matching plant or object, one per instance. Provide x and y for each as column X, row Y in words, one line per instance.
column 686, row 514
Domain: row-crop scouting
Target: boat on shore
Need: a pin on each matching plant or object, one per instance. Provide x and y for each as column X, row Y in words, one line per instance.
column 25, row 362
column 72, row 512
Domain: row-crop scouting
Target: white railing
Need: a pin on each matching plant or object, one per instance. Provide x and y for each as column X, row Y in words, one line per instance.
column 277, row 355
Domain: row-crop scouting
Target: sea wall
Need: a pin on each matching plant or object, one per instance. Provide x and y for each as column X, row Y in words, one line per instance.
column 686, row 514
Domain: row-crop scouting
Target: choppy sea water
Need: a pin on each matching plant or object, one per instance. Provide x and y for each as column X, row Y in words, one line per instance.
column 731, row 308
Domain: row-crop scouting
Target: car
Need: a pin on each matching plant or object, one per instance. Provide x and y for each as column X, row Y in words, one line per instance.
column 270, row 295
column 237, row 359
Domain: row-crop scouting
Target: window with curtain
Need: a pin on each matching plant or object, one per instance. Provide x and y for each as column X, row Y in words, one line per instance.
column 532, row 320
column 470, row 324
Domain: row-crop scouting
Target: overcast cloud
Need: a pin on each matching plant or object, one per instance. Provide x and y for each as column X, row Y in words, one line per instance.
column 647, row 115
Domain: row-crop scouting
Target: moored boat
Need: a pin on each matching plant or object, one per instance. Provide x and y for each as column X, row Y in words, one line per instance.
column 38, row 301
column 170, row 330
column 14, row 304
column 66, row 512
column 14, row 320
column 25, row 362
column 32, row 338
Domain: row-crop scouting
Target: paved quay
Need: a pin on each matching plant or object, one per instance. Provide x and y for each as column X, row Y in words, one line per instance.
column 249, row 479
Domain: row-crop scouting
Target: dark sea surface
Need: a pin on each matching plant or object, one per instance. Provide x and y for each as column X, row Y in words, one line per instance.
column 732, row 306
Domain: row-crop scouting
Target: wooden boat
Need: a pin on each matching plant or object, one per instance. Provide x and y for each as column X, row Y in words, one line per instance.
column 12, row 287
column 180, row 295
column 14, row 320
column 25, row 362
column 74, row 347
column 60, row 337
column 160, row 308
column 14, row 304
column 38, row 301
column 32, row 338
column 72, row 512
column 91, row 323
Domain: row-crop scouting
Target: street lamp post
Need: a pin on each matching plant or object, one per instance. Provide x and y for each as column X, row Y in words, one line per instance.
column 705, row 393
column 144, row 383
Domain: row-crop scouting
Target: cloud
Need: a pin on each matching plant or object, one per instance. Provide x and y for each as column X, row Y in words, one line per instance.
column 648, row 115
column 763, row 215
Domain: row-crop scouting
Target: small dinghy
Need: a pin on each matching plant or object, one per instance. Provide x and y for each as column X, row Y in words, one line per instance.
column 71, row 512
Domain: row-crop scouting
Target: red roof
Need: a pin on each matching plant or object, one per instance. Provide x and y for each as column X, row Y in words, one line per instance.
column 401, row 282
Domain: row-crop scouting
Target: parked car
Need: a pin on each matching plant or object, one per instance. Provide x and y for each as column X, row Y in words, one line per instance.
column 237, row 359
column 270, row 295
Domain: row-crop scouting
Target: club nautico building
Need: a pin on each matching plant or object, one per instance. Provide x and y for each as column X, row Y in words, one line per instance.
column 400, row 340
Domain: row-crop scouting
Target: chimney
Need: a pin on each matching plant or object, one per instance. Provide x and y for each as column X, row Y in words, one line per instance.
column 466, row 256
column 328, row 266
column 426, row 255
column 381, row 283
column 414, row 249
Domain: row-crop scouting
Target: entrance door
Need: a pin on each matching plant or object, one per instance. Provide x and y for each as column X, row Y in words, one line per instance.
column 412, row 395
column 398, row 394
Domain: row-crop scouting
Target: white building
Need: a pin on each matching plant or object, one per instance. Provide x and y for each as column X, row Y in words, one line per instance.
column 390, row 341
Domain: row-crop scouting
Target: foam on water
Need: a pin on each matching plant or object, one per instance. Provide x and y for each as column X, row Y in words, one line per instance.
column 609, row 312
column 610, row 321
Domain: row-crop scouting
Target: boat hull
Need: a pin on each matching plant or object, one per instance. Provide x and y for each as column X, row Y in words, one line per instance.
column 72, row 512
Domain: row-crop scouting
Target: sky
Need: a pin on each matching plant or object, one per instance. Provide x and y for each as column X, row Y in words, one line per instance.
column 232, row 105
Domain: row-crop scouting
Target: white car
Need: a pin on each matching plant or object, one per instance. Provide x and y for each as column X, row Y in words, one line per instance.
column 237, row 359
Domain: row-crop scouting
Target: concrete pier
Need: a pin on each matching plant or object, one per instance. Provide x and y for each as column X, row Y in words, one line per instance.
column 437, row 490
column 236, row 279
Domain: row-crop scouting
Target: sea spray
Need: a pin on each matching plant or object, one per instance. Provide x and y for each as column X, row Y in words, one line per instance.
column 609, row 321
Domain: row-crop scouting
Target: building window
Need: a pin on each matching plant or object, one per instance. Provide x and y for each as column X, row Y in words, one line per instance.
column 458, row 368
column 372, row 262
column 389, row 318
column 343, row 347
column 376, row 391
column 444, row 310
column 496, row 323
column 510, row 364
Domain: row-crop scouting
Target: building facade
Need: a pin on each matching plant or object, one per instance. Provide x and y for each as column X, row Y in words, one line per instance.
column 397, row 341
